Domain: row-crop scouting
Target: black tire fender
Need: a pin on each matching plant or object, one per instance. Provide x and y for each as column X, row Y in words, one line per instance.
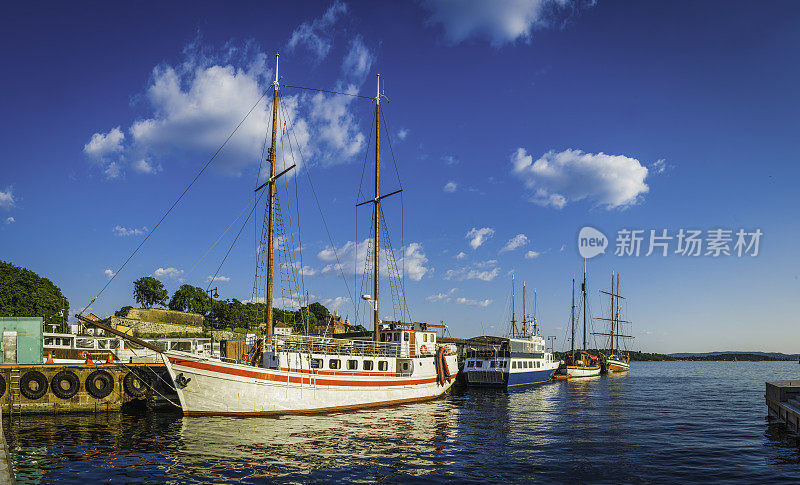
column 2, row 386
column 33, row 384
column 57, row 388
column 134, row 385
column 99, row 384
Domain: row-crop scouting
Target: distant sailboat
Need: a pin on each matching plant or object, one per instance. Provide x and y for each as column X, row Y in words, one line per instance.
column 581, row 364
column 617, row 360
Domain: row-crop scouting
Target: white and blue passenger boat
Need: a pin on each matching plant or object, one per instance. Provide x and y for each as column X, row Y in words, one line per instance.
column 516, row 360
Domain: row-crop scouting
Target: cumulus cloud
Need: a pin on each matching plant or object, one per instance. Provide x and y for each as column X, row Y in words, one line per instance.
column 317, row 36
column 193, row 106
column 10, row 220
column 169, row 273
column 109, row 273
column 445, row 297
column 335, row 303
column 218, row 278
column 479, row 236
column 352, row 254
column 7, row 198
column 302, row 271
column 402, row 134
column 124, row 231
column 532, row 254
column 515, row 242
column 484, row 271
column 103, row 145
column 471, row 302
column 450, row 187
column 498, row 21
column 557, row 178
column 659, row 166
column 461, row 255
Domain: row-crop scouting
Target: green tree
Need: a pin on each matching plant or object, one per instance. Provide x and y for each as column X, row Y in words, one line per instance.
column 319, row 311
column 190, row 298
column 148, row 291
column 123, row 312
column 23, row 293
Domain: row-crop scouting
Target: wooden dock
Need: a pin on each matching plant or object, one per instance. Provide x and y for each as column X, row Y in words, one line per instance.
column 783, row 403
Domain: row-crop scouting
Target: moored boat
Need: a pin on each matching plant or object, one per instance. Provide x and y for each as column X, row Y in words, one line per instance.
column 617, row 359
column 582, row 364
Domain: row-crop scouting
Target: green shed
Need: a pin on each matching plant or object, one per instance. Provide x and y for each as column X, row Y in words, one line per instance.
column 28, row 339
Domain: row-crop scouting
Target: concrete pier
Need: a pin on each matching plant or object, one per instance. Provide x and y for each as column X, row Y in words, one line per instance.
column 783, row 402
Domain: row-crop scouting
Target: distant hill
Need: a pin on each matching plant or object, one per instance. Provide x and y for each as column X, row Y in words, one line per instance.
column 734, row 355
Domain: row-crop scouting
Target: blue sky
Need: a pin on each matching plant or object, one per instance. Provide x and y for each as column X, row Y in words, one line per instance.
column 505, row 118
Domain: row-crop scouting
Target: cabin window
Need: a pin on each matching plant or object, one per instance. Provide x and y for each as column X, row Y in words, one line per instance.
column 334, row 364
column 367, row 365
column 316, row 363
column 405, row 336
column 493, row 363
column 405, row 366
column 470, row 364
column 383, row 365
column 397, row 337
column 479, row 363
column 514, row 365
column 352, row 365
column 424, row 337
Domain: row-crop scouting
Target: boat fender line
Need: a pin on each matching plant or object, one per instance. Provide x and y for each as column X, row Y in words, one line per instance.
column 133, row 385
column 99, row 384
column 33, row 384
column 423, row 349
column 2, row 386
column 446, row 369
column 57, row 384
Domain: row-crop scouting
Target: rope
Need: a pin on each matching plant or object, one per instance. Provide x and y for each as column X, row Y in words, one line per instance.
column 326, row 91
column 214, row 156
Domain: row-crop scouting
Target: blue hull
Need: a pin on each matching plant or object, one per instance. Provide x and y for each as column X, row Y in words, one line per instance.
column 514, row 379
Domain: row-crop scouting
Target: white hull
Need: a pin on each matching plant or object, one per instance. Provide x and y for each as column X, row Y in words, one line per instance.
column 216, row 387
column 580, row 371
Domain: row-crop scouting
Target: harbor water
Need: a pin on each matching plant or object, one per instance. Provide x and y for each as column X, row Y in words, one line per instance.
column 666, row 421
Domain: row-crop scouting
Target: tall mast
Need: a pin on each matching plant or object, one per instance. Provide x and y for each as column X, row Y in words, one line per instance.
column 513, row 311
column 376, row 214
column 584, row 303
column 271, row 231
column 572, row 318
column 535, row 323
column 613, row 313
column 524, row 315
column 618, row 313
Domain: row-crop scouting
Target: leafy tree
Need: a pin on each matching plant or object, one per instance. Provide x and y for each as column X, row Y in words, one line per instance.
column 319, row 311
column 190, row 298
column 123, row 312
column 23, row 293
column 148, row 291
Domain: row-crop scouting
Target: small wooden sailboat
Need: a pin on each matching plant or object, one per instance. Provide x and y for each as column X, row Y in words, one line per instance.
column 519, row 359
column 582, row 363
column 617, row 360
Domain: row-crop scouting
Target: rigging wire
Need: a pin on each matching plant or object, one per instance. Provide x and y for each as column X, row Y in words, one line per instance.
column 210, row 160
column 326, row 91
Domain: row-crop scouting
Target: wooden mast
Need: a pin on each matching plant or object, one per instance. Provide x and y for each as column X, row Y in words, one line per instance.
column 572, row 318
column 308, row 310
column 513, row 314
column 618, row 313
column 273, row 159
column 535, row 323
column 376, row 215
column 583, row 288
column 613, row 313
column 524, row 314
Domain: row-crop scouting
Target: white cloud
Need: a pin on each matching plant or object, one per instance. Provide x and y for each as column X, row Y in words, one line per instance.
column 10, row 220
column 498, row 21
column 124, row 231
column 219, row 278
column 169, row 273
column 113, row 170
column 316, row 36
column 558, row 178
column 304, row 271
column 103, row 145
column 443, row 297
column 532, row 254
column 479, row 236
column 484, row 271
column 450, row 187
column 563, row 247
column 461, row 255
column 352, row 256
column 659, row 166
column 402, row 134
column 470, row 302
column 144, row 166
column 335, row 303
column 358, row 61
column 515, row 242
column 109, row 273
column 7, row 198
column 450, row 160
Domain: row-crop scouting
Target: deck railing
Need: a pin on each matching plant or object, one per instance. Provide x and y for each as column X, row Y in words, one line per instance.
column 333, row 346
